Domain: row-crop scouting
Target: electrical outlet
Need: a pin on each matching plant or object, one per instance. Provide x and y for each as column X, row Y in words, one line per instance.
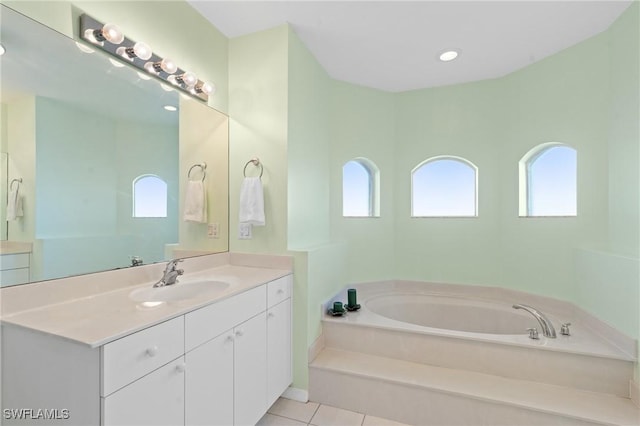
column 213, row 230
column 244, row 231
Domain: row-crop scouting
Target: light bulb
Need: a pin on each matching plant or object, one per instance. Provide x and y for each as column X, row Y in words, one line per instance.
column 116, row 63
column 205, row 88
column 189, row 79
column 142, row 50
column 2, row 50
column 84, row 48
column 139, row 50
column 109, row 32
column 166, row 65
column 173, row 80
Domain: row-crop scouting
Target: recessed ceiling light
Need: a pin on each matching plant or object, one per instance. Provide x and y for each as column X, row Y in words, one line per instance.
column 170, row 108
column 2, row 50
column 449, row 55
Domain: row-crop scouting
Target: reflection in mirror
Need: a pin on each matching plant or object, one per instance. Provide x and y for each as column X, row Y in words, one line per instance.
column 4, row 175
column 82, row 131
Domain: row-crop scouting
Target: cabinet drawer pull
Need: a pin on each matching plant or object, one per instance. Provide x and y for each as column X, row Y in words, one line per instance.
column 180, row 368
column 271, row 315
column 230, row 338
column 280, row 291
column 152, row 351
column 239, row 333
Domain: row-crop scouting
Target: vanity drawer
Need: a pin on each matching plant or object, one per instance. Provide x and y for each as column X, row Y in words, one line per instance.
column 279, row 290
column 14, row 261
column 133, row 356
column 211, row 321
column 14, row 276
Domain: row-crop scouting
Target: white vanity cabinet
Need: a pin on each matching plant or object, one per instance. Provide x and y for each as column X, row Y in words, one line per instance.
column 143, row 377
column 279, row 362
column 222, row 364
column 155, row 399
column 14, row 269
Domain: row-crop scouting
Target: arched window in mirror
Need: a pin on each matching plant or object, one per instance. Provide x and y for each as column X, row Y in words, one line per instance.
column 149, row 196
column 360, row 189
column 548, row 181
column 444, row 186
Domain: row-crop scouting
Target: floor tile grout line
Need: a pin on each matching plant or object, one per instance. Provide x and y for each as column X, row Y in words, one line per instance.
column 314, row 413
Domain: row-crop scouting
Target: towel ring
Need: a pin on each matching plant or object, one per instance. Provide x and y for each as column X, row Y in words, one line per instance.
column 203, row 166
column 256, row 162
column 19, row 180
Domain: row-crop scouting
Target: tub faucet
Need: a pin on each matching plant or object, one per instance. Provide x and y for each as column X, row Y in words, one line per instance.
column 171, row 274
column 547, row 327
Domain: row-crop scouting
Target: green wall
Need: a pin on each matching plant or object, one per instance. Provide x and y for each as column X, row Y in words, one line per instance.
column 585, row 96
column 363, row 125
column 258, row 79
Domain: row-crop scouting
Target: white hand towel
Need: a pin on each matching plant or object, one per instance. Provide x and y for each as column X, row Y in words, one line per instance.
column 195, row 202
column 252, row 201
column 14, row 204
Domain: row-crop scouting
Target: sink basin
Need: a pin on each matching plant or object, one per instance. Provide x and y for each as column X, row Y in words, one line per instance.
column 179, row 291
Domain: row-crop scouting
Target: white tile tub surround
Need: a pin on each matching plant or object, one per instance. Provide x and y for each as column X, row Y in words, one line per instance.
column 429, row 376
column 634, row 392
column 426, row 395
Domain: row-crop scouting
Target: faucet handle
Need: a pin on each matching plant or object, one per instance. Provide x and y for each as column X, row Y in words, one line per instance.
column 171, row 266
column 533, row 333
column 564, row 329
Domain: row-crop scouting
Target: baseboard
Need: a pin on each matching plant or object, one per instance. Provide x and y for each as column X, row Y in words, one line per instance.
column 634, row 392
column 300, row 395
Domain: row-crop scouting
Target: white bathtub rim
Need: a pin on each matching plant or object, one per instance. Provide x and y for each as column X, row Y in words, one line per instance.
column 612, row 343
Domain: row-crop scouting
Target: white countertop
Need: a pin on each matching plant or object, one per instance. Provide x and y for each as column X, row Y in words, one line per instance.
column 15, row 247
column 102, row 317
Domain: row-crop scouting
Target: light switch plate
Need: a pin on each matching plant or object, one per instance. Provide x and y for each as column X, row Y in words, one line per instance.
column 213, row 230
column 244, row 231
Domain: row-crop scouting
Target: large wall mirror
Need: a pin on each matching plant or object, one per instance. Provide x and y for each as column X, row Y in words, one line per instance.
column 101, row 159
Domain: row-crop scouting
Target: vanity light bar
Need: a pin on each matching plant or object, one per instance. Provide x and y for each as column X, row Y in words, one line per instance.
column 140, row 56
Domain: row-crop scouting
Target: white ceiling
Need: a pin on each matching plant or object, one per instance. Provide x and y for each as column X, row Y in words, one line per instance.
column 394, row 45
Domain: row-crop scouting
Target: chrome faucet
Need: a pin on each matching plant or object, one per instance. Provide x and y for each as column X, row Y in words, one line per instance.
column 547, row 327
column 171, row 274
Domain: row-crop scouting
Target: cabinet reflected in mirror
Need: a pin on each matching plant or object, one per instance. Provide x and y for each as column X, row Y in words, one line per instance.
column 80, row 130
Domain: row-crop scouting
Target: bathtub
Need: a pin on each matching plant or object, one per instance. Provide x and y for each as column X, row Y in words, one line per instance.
column 475, row 328
column 479, row 313
column 452, row 313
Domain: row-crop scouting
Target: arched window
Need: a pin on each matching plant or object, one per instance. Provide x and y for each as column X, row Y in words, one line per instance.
column 360, row 189
column 444, row 186
column 149, row 196
column 548, row 181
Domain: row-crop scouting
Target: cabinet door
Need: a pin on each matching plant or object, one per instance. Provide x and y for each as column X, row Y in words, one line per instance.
column 279, row 374
column 250, row 370
column 155, row 399
column 209, row 382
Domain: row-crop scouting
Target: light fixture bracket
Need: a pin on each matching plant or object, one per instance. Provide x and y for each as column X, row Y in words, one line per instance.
column 89, row 23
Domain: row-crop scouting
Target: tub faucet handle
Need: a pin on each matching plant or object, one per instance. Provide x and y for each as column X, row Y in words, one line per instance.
column 564, row 329
column 533, row 333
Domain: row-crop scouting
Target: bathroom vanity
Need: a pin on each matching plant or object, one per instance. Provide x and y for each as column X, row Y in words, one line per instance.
column 218, row 359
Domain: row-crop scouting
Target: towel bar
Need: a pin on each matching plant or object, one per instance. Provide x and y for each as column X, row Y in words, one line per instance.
column 19, row 180
column 256, row 162
column 203, row 166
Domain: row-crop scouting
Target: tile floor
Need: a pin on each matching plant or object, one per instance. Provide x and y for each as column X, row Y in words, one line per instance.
column 286, row 412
